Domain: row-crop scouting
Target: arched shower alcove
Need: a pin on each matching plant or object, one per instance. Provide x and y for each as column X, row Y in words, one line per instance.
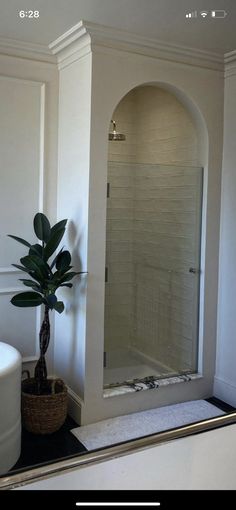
column 153, row 237
column 90, row 90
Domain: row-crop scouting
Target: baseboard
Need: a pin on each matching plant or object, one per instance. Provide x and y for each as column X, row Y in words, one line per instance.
column 74, row 405
column 225, row 390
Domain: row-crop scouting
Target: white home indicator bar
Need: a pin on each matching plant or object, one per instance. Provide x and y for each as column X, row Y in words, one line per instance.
column 118, row 504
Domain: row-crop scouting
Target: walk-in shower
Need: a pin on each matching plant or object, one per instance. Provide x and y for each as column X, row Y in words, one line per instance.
column 153, row 234
column 152, row 277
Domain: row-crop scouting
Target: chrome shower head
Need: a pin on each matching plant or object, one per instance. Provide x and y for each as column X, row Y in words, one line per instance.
column 114, row 136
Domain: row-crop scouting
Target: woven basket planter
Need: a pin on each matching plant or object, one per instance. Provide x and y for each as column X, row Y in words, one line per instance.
column 43, row 414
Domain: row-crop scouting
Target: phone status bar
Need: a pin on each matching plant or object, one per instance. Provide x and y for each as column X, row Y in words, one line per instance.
column 217, row 14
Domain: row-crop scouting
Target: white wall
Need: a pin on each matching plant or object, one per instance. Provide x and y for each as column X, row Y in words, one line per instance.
column 202, row 462
column 21, row 114
column 225, row 380
column 73, row 203
column 28, row 140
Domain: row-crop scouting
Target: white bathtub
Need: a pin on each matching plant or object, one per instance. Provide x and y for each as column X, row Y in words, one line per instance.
column 10, row 406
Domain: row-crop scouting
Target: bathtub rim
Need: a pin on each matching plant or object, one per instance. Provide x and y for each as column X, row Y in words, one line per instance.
column 97, row 456
column 16, row 360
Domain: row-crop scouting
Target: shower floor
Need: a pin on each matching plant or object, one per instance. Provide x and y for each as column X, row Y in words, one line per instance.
column 128, row 364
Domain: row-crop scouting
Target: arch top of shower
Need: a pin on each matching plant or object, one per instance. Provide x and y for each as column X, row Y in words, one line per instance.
column 188, row 101
column 180, row 92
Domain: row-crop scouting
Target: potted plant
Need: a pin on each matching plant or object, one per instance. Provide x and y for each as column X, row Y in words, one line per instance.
column 44, row 400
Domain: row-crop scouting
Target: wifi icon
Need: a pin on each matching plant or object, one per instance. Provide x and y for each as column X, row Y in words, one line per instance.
column 204, row 13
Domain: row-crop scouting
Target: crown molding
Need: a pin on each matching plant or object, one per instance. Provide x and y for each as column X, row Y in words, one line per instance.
column 76, row 33
column 230, row 57
column 72, row 45
column 86, row 36
column 230, row 64
column 31, row 51
column 230, row 70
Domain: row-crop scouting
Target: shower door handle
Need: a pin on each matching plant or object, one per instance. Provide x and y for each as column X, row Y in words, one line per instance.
column 194, row 270
column 106, row 274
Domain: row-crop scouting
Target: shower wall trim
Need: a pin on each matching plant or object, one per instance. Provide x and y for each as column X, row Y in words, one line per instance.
column 142, row 385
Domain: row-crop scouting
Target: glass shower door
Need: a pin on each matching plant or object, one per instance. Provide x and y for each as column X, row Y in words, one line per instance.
column 152, row 271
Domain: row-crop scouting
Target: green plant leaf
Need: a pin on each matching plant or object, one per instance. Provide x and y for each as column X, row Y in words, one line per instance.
column 36, row 264
column 55, row 259
column 61, row 272
column 59, row 306
column 36, row 277
column 42, row 227
column 63, row 261
column 31, row 283
column 21, row 268
column 20, row 240
column 58, row 226
column 53, row 242
column 68, row 276
column 51, row 300
column 36, row 249
column 27, row 299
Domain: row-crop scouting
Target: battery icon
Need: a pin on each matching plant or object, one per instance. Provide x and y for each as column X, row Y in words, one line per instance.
column 218, row 14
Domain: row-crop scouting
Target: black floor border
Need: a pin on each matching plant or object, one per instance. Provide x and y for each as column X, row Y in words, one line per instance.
column 227, row 408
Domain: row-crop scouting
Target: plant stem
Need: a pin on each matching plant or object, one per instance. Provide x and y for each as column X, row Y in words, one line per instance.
column 40, row 372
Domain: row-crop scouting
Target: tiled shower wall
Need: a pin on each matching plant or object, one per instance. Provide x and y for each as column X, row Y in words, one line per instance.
column 119, row 293
column 158, row 129
column 167, row 209
column 152, row 230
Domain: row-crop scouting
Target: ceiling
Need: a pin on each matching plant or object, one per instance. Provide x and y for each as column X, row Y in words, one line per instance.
column 161, row 19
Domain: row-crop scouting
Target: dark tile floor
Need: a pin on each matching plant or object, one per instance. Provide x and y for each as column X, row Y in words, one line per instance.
column 36, row 449
column 40, row 450
column 220, row 404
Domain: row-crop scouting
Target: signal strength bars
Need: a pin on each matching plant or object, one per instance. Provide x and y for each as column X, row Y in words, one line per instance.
column 192, row 14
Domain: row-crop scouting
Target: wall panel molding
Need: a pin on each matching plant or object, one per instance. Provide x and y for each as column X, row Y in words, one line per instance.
column 8, row 286
column 8, row 270
column 11, row 290
column 42, row 151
